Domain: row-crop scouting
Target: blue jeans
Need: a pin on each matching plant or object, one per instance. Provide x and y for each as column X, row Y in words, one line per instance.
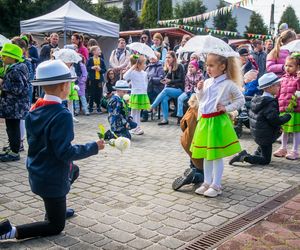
column 180, row 102
column 164, row 97
column 83, row 103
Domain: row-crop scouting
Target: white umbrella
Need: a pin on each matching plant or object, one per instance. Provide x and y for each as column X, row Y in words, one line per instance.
column 3, row 40
column 208, row 44
column 67, row 55
column 293, row 46
column 142, row 49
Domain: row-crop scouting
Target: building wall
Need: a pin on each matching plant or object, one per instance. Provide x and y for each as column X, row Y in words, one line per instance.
column 135, row 4
column 242, row 14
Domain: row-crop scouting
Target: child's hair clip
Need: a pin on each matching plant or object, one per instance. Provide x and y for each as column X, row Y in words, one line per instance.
column 25, row 38
column 296, row 55
column 136, row 56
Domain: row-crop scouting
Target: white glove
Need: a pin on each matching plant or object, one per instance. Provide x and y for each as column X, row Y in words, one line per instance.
column 76, row 87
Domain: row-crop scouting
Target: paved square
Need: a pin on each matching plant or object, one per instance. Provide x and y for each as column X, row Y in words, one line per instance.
column 125, row 201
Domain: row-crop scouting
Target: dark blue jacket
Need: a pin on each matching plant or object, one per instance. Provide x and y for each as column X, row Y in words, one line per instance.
column 14, row 98
column 50, row 153
column 251, row 88
column 91, row 72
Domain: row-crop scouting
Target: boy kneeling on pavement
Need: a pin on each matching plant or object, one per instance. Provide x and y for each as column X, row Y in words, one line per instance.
column 265, row 122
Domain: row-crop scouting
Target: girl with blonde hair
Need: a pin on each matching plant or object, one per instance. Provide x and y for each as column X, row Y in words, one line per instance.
column 139, row 99
column 214, row 137
column 276, row 58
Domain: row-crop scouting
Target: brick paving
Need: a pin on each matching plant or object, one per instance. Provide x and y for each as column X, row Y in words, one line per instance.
column 280, row 231
column 125, row 201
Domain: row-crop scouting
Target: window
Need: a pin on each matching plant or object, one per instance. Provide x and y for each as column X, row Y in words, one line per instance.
column 138, row 5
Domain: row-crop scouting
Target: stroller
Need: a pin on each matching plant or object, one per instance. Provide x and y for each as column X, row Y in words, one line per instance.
column 243, row 117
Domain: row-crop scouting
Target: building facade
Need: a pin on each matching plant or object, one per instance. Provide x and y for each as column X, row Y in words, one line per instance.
column 242, row 14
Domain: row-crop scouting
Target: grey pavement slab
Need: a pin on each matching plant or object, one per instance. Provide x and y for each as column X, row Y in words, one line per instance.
column 125, row 201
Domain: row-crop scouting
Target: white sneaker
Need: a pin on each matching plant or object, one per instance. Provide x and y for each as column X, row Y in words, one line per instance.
column 137, row 131
column 213, row 191
column 201, row 190
column 75, row 120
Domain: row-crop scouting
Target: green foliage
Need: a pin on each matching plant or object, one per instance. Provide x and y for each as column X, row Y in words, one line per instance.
column 149, row 14
column 257, row 25
column 289, row 16
column 15, row 11
column 225, row 21
column 129, row 19
column 112, row 14
column 190, row 8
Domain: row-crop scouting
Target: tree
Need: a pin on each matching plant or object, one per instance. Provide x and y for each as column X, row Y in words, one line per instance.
column 149, row 14
column 257, row 25
column 129, row 19
column 112, row 14
column 289, row 16
column 12, row 12
column 225, row 21
column 190, row 8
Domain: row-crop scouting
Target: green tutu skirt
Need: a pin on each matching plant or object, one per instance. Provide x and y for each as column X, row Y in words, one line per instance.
column 139, row 101
column 214, row 138
column 293, row 125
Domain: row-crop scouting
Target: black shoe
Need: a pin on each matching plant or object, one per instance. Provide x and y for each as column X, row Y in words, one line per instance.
column 5, row 227
column 163, row 123
column 173, row 114
column 186, row 179
column 179, row 120
column 10, row 156
column 21, row 147
column 144, row 119
column 240, row 157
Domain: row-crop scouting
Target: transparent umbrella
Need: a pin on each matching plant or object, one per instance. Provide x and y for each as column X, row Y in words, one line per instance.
column 293, row 46
column 208, row 44
column 142, row 49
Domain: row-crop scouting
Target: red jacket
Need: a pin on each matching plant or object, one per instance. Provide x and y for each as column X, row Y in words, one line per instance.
column 288, row 86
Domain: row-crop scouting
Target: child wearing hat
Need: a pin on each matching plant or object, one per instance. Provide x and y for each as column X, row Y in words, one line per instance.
column 193, row 76
column 265, row 121
column 158, row 45
column 118, row 113
column 14, row 99
column 50, row 132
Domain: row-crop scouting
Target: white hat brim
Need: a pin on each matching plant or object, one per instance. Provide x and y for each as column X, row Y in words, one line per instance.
column 126, row 89
column 268, row 84
column 45, row 83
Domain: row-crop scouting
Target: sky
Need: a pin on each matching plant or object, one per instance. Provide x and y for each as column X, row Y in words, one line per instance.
column 264, row 8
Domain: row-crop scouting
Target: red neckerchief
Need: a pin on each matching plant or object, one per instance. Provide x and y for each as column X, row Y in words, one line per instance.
column 41, row 102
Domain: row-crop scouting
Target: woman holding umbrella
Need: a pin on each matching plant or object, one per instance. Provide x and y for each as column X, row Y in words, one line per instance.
column 174, row 85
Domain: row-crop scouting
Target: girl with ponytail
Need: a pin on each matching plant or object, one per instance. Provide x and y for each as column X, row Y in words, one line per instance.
column 276, row 58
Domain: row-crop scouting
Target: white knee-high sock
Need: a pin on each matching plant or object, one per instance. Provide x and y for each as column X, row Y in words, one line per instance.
column 296, row 141
column 208, row 170
column 22, row 129
column 284, row 140
column 10, row 235
column 136, row 115
column 218, row 172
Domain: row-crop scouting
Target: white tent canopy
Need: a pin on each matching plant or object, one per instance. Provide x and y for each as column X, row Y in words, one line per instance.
column 70, row 17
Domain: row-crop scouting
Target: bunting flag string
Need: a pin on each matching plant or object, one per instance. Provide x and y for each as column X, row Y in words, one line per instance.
column 250, row 35
column 219, row 32
column 206, row 30
column 207, row 15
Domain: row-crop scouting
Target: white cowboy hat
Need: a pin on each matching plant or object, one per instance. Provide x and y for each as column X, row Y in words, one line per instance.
column 122, row 85
column 52, row 72
column 268, row 80
column 67, row 56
